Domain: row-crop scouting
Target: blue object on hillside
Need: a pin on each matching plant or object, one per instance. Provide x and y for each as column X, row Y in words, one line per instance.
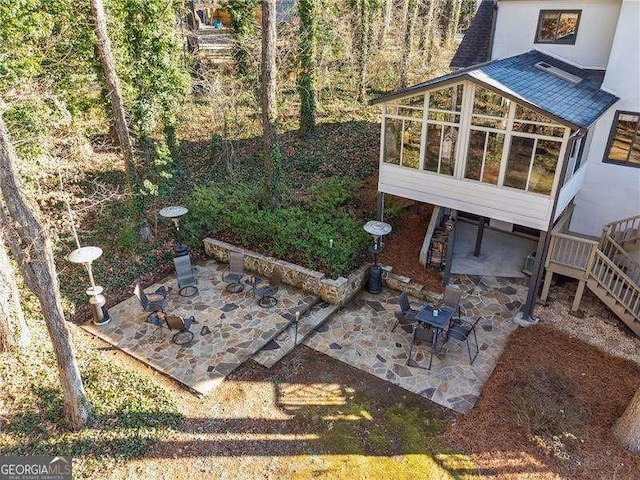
column 217, row 24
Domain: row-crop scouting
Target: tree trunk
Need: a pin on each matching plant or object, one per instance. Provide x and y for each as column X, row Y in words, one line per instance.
column 307, row 10
column 386, row 21
column 408, row 41
column 32, row 249
column 627, row 428
column 11, row 314
column 431, row 24
column 270, row 149
column 7, row 340
column 119, row 117
column 454, row 19
column 363, row 54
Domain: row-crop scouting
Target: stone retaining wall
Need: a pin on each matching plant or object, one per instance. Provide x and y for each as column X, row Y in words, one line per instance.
column 405, row 284
column 336, row 292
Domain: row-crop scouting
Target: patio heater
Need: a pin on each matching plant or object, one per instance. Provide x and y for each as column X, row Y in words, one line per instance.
column 377, row 230
column 174, row 213
column 85, row 256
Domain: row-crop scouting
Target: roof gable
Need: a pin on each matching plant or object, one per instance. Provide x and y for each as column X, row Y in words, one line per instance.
column 576, row 105
column 477, row 42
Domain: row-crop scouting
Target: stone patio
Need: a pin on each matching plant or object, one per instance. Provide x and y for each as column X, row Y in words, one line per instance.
column 360, row 335
column 230, row 328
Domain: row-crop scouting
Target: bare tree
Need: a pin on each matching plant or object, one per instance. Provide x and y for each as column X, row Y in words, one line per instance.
column 7, row 340
column 363, row 53
column 627, row 428
column 270, row 148
column 31, row 247
column 413, row 6
column 387, row 10
column 454, row 20
column 429, row 29
column 11, row 314
column 119, row 117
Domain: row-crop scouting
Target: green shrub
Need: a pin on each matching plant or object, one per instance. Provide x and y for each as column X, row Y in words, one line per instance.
column 298, row 233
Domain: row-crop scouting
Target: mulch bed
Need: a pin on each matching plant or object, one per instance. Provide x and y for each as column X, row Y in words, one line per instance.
column 548, row 409
column 402, row 249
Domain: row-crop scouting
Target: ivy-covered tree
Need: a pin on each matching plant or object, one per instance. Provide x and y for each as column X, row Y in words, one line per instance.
column 270, row 148
column 307, row 10
column 243, row 21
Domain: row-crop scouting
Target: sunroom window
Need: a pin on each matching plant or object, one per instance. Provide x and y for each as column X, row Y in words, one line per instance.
column 403, row 132
column 487, row 135
column 443, row 125
column 532, row 163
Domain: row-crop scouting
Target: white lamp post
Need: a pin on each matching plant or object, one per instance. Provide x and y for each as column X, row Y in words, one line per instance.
column 85, row 256
column 175, row 213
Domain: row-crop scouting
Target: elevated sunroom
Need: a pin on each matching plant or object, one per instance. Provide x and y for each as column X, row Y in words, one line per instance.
column 492, row 140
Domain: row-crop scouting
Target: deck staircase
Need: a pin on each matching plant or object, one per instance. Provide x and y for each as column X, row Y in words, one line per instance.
column 609, row 267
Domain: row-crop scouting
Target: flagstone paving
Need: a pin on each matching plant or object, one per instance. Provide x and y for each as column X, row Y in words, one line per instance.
column 230, row 328
column 360, row 335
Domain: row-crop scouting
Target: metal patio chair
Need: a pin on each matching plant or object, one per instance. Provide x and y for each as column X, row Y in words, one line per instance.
column 235, row 272
column 267, row 293
column 406, row 316
column 182, row 325
column 157, row 304
column 186, row 276
column 462, row 331
column 451, row 300
column 421, row 333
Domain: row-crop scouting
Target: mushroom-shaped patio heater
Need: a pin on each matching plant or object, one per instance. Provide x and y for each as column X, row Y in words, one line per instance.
column 378, row 230
column 85, row 256
column 175, row 213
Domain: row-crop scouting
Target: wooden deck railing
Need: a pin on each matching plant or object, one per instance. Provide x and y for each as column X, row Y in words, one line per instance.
column 612, row 250
column 617, row 283
column 570, row 251
column 624, row 230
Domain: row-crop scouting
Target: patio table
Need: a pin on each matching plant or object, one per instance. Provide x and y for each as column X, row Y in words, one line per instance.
column 439, row 323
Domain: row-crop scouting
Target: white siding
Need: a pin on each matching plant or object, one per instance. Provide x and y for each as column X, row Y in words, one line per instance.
column 570, row 190
column 504, row 204
column 612, row 192
column 517, row 22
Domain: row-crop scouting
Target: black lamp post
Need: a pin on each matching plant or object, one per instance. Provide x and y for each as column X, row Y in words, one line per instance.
column 175, row 213
column 378, row 230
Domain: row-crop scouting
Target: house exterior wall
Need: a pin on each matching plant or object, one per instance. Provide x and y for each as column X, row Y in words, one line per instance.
column 517, row 22
column 508, row 205
column 611, row 192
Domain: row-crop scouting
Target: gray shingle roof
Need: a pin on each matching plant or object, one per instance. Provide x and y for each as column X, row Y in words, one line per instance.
column 476, row 45
column 578, row 105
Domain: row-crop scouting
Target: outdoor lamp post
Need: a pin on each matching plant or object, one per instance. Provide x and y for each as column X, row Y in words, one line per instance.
column 85, row 256
column 378, row 230
column 175, row 213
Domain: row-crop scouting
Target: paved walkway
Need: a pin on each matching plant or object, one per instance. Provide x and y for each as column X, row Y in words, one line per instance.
column 360, row 335
column 231, row 327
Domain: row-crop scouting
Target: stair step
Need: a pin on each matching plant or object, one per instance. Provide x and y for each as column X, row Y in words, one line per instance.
column 279, row 347
column 303, row 305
